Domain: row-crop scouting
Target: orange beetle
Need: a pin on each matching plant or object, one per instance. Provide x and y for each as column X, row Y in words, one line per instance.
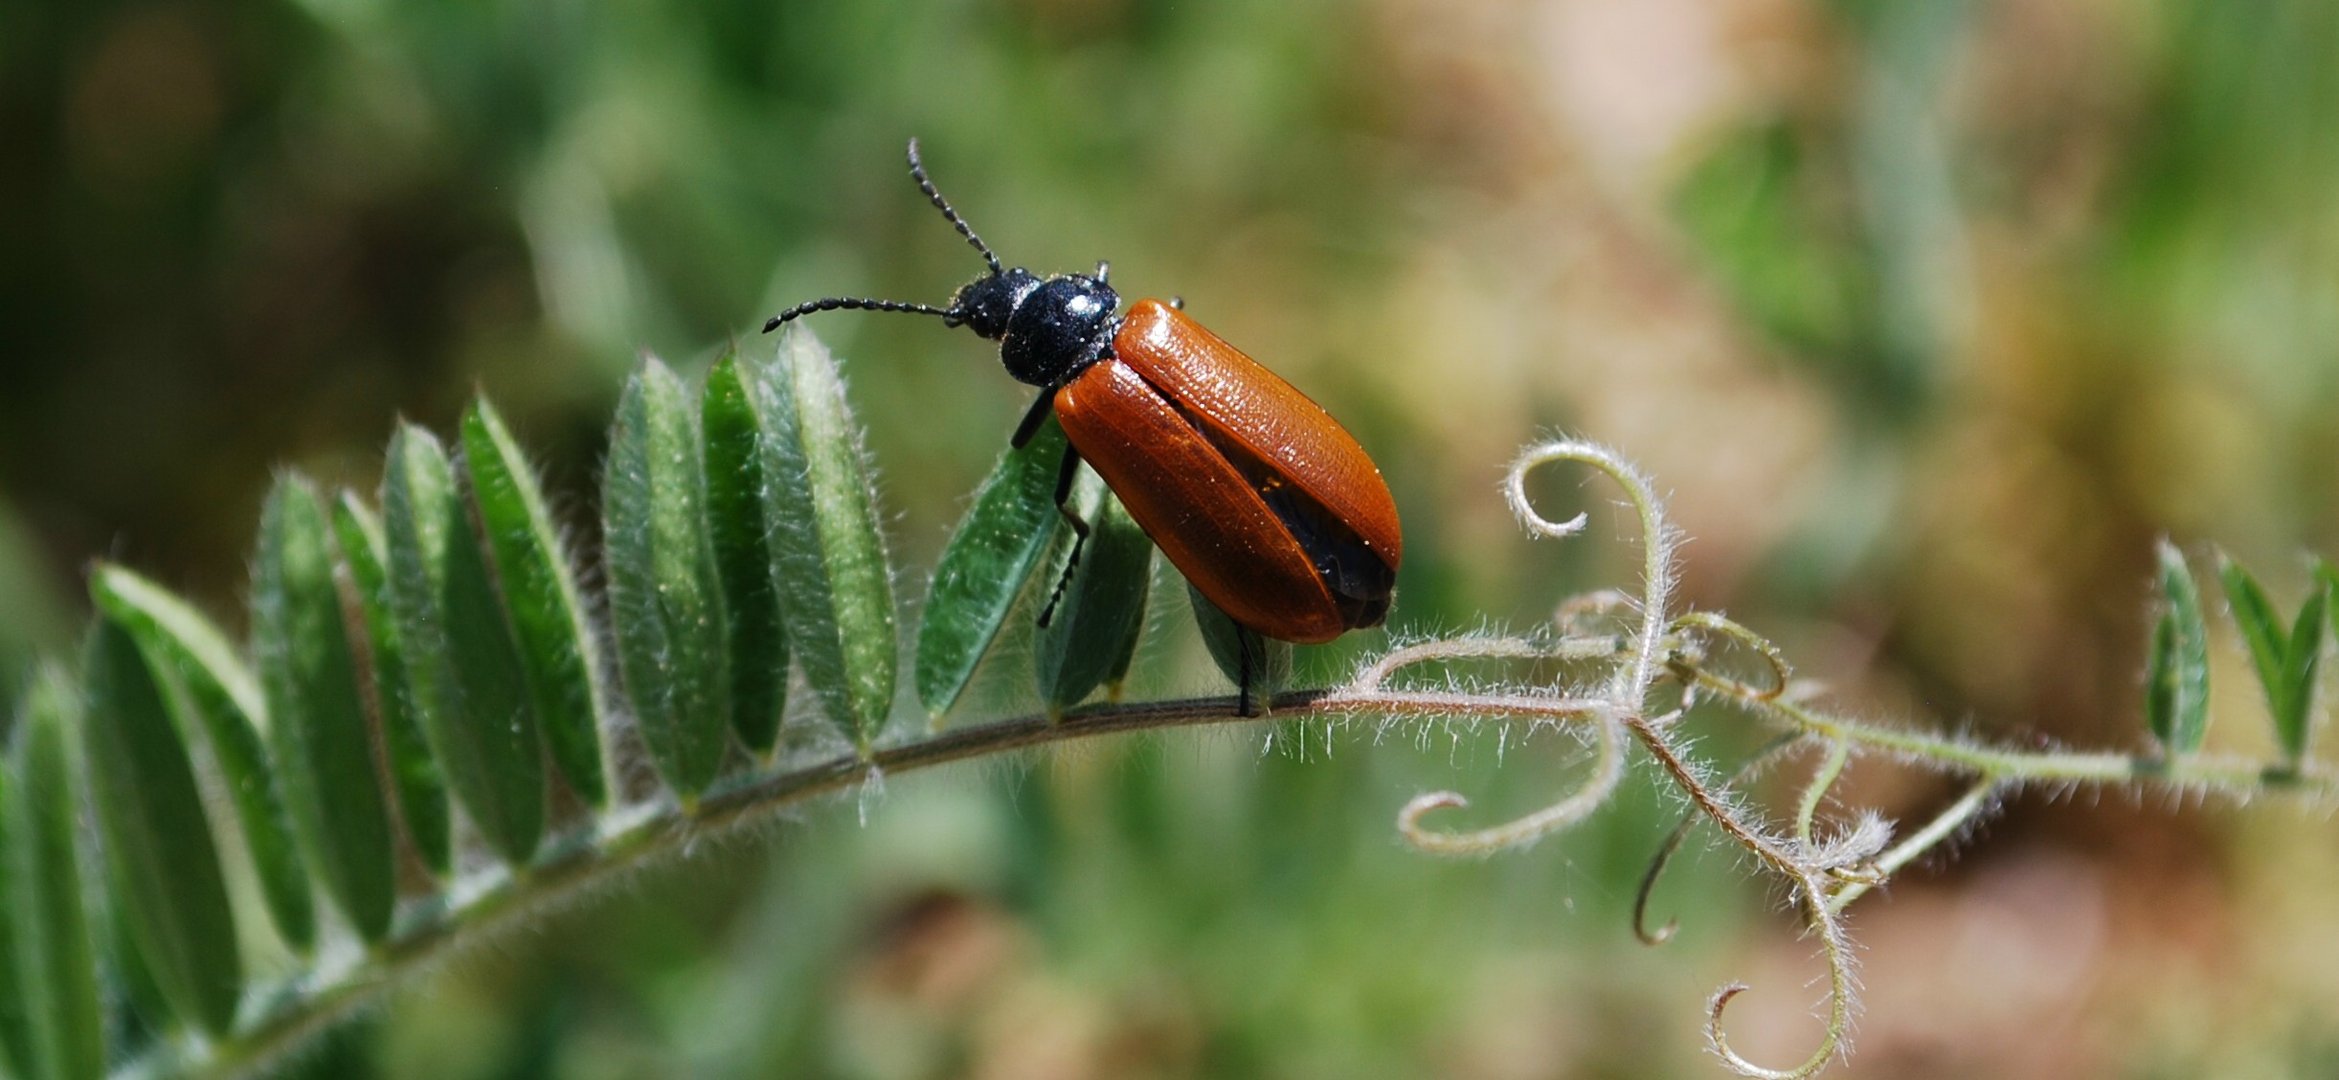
column 1255, row 493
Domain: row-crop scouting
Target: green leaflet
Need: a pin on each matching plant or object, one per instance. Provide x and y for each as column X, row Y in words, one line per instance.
column 157, row 841
column 2294, row 721
column 828, row 561
column 1117, row 678
column 2176, row 693
column 2285, row 661
column 414, row 775
column 56, row 961
column 131, row 994
column 16, row 1033
column 665, row 596
column 2254, row 615
column 324, row 748
column 758, row 640
column 1094, row 626
column 540, row 594
column 1269, row 662
column 990, row 559
column 226, row 705
column 462, row 666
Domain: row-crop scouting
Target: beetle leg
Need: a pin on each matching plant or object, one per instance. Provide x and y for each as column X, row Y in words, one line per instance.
column 1178, row 303
column 1029, row 426
column 1064, row 477
column 1246, row 643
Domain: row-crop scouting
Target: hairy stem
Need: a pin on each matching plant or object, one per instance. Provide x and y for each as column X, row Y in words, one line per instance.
column 640, row 836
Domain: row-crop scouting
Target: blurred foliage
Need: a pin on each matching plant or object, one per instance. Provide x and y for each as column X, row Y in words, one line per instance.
column 1930, row 315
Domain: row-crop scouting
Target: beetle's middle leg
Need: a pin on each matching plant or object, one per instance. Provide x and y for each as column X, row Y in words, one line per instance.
column 1065, row 474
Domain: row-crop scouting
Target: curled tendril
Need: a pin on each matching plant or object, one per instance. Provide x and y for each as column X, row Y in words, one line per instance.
column 1782, row 676
column 1839, row 997
column 1643, row 660
column 1607, row 769
column 1514, row 490
column 1633, row 679
column 1769, row 753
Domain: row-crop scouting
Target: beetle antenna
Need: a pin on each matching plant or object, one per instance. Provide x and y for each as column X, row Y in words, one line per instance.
column 918, row 173
column 855, row 303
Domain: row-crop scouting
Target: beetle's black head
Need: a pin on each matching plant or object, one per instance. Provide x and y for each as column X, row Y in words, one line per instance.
column 1047, row 330
column 985, row 304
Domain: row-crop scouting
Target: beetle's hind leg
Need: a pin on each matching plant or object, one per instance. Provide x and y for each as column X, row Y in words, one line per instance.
column 1247, row 647
column 1069, row 471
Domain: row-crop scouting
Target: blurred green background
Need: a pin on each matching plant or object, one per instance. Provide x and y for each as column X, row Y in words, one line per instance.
column 1928, row 315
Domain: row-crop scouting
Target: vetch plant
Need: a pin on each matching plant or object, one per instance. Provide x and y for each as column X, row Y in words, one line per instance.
column 383, row 738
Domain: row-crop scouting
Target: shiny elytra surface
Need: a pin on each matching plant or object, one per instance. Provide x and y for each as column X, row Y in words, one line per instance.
column 1150, row 420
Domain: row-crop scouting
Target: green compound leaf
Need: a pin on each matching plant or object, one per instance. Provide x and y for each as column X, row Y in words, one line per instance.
column 758, row 639
column 227, row 707
column 828, row 561
column 540, row 593
column 1102, row 609
column 56, row 962
column 993, row 555
column 157, row 841
column 1269, row 662
column 462, row 667
column 414, row 775
column 665, row 596
column 324, row 748
column 2176, row 699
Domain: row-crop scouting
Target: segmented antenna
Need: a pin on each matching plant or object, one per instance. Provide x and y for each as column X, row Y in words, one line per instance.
column 854, row 303
column 918, row 173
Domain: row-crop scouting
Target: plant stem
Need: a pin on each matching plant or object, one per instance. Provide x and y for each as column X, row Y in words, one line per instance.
column 644, row 835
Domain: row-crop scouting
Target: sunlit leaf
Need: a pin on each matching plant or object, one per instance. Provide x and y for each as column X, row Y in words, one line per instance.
column 987, row 565
column 2293, row 721
column 1089, row 632
column 57, row 959
column 759, row 641
column 324, row 748
column 415, row 779
column 828, row 560
column 461, row 664
column 227, row 707
column 540, row 595
column 2177, row 680
column 2261, row 628
column 665, row 597
column 16, row 1034
column 2285, row 661
column 156, row 839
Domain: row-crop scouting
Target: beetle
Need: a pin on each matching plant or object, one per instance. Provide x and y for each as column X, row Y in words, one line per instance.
column 1261, row 499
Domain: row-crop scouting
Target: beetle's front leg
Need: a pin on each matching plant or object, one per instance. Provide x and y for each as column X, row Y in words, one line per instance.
column 1033, row 417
